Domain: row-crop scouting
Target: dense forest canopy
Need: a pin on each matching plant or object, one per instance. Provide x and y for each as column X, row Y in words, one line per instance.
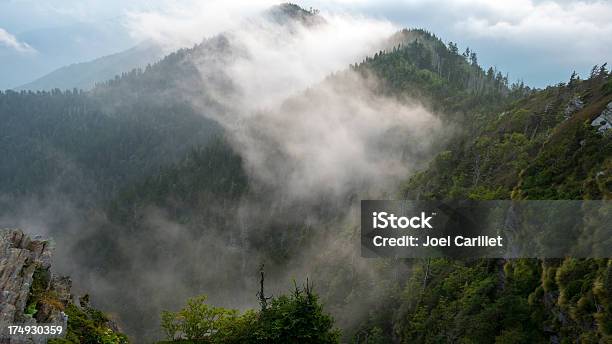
column 174, row 208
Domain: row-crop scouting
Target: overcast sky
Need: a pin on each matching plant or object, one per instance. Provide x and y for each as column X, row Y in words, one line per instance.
column 541, row 42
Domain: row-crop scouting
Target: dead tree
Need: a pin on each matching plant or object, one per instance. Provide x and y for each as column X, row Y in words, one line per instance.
column 263, row 300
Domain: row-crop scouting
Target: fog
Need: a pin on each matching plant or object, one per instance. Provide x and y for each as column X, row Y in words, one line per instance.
column 315, row 137
column 304, row 130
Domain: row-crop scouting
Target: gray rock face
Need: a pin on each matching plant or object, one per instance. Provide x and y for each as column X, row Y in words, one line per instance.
column 574, row 105
column 604, row 120
column 22, row 260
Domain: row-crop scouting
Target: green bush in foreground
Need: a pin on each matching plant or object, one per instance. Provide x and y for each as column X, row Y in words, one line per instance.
column 294, row 318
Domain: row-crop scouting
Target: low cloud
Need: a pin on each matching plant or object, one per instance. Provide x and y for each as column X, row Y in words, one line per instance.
column 556, row 37
column 521, row 20
column 339, row 137
column 309, row 134
column 10, row 41
column 180, row 24
column 314, row 135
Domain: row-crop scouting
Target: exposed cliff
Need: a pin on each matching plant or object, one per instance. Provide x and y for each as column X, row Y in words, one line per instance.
column 24, row 271
column 32, row 294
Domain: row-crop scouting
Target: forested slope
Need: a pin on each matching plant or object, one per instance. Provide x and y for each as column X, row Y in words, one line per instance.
column 68, row 142
column 544, row 146
column 210, row 194
column 418, row 64
column 177, row 213
column 548, row 145
column 92, row 143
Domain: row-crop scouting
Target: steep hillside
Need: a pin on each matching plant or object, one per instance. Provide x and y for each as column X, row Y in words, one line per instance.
column 69, row 143
column 545, row 146
column 418, row 64
column 178, row 208
column 553, row 144
column 92, row 143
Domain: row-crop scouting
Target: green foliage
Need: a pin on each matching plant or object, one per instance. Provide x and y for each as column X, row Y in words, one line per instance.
column 420, row 64
column 40, row 295
column 569, row 165
column 31, row 310
column 76, row 143
column 515, row 142
column 88, row 325
column 38, row 289
column 206, row 174
column 607, row 87
column 372, row 336
column 470, row 303
column 294, row 318
column 170, row 324
column 534, row 149
column 197, row 320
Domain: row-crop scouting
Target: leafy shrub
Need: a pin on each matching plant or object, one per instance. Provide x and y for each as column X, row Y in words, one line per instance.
column 87, row 325
column 294, row 318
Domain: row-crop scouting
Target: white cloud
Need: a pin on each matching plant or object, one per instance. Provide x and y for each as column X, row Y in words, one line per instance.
column 554, row 36
column 571, row 31
column 304, row 137
column 539, row 41
column 12, row 42
column 283, row 64
column 183, row 23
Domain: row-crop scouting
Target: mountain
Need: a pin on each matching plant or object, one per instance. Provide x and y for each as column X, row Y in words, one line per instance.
column 126, row 126
column 85, row 75
column 118, row 141
column 61, row 45
column 509, row 150
column 417, row 63
column 178, row 208
column 76, row 150
column 204, row 190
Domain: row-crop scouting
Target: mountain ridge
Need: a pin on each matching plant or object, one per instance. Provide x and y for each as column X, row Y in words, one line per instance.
column 198, row 223
column 85, row 75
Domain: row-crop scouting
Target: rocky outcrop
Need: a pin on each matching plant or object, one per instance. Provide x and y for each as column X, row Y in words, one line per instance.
column 604, row 120
column 30, row 293
column 574, row 105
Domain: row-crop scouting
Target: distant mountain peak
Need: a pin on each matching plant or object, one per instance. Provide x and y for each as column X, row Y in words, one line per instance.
column 289, row 12
column 84, row 75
